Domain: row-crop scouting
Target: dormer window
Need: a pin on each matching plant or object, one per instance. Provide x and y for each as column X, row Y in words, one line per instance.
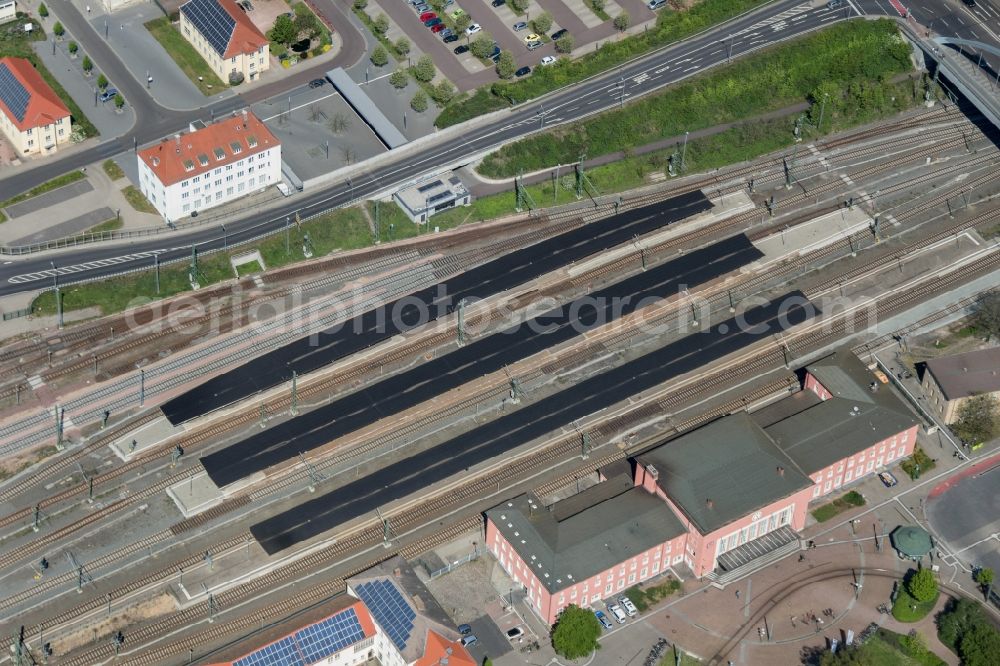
column 188, row 165
column 236, row 147
column 252, row 141
column 203, row 159
column 220, row 154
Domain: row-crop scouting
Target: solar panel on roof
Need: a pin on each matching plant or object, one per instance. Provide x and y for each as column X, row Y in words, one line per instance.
column 14, row 95
column 439, row 196
column 282, row 653
column 332, row 635
column 212, row 21
column 389, row 609
column 429, row 186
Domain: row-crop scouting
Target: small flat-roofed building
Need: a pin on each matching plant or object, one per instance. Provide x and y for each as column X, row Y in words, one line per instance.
column 210, row 165
column 422, row 200
column 225, row 37
column 586, row 547
column 32, row 116
column 951, row 380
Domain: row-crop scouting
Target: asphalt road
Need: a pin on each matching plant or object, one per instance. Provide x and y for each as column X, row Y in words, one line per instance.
column 416, row 309
column 450, row 459
column 967, row 516
column 750, row 32
column 775, row 22
column 393, row 395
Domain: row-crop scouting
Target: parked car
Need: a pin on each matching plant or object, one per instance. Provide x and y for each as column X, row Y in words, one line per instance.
column 461, row 48
column 427, row 16
column 317, row 83
column 430, row 23
column 450, row 38
column 421, row 7
column 656, row 4
column 531, row 46
column 532, row 38
column 465, row 629
column 495, row 55
column 469, row 640
column 627, row 604
column 524, row 71
column 516, row 632
column 458, row 13
column 473, row 29
column 446, row 32
column 559, row 33
column 438, row 27
column 603, row 619
column 617, row 612
column 888, row 480
column 499, row 3
column 549, row 60
column 109, row 94
column 520, row 25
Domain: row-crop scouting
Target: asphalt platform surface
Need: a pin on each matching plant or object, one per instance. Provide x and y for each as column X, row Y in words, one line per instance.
column 535, row 419
column 483, row 356
column 313, row 352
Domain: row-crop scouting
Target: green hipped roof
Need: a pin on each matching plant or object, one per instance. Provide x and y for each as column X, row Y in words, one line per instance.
column 911, row 541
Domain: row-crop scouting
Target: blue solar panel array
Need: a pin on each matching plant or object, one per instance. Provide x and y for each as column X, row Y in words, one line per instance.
column 14, row 95
column 389, row 609
column 212, row 21
column 282, row 653
column 331, row 635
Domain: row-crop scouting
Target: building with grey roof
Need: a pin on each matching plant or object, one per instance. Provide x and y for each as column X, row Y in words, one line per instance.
column 431, row 196
column 951, row 380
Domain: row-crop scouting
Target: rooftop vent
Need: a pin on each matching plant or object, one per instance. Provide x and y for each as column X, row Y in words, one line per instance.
column 781, row 470
column 710, row 504
column 652, row 471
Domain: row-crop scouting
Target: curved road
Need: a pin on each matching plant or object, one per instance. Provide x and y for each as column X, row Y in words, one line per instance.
column 772, row 23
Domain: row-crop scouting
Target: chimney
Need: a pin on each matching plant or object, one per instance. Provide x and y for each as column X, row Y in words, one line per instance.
column 781, row 470
column 652, row 471
column 177, row 140
column 710, row 504
column 244, row 118
column 397, row 572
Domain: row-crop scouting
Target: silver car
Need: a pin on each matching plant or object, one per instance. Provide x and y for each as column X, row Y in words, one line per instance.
column 520, row 25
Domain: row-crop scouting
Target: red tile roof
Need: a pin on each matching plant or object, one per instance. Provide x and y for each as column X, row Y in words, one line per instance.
column 194, row 153
column 245, row 37
column 439, row 648
column 44, row 106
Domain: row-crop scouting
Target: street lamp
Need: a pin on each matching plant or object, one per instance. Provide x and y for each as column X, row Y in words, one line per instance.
column 55, row 285
column 225, row 239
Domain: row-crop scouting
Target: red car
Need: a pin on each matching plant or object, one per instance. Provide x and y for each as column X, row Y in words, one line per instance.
column 427, row 16
column 438, row 28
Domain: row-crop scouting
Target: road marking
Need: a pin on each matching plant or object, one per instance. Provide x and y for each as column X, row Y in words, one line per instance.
column 78, row 268
column 691, row 69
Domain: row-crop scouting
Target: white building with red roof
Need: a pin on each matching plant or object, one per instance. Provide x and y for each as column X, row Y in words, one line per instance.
column 32, row 116
column 225, row 37
column 210, row 165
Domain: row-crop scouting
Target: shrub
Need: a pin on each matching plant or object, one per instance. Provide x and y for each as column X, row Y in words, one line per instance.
column 922, row 585
column 622, row 21
column 58, row 29
column 598, row 5
column 482, row 45
column 283, row 31
column 381, row 24
column 102, row 81
column 520, row 5
column 307, row 23
column 424, row 69
column 87, row 64
column 360, row 4
column 402, row 46
column 380, row 56
column 565, row 44
column 506, row 65
column 399, row 79
column 419, row 102
column 542, row 22
column 463, row 22
column 73, row 48
column 43, row 11
column 119, row 101
column 576, row 632
column 919, row 463
column 444, row 92
column 236, row 78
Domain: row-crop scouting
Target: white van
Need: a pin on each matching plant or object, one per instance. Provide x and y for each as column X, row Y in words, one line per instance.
column 617, row 611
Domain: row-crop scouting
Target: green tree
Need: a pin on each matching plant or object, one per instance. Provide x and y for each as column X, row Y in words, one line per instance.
column 307, row 23
column 419, row 102
column 985, row 579
column 444, row 92
column 73, row 48
column 623, row 21
column 119, row 101
column 87, row 64
column 506, row 65
column 360, row 4
column 102, row 81
column 424, row 69
column 520, row 5
column 43, row 11
column 980, row 645
column 482, row 45
column 575, row 633
column 598, row 5
column 381, row 24
column 58, row 29
column 977, row 418
column 463, row 22
column 283, row 31
column 402, row 46
column 542, row 22
column 399, row 79
column 957, row 619
column 379, row 56
column 986, row 312
column 922, row 585
column 915, row 643
column 565, row 43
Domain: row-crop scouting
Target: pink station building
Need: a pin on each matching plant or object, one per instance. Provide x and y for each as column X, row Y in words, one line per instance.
column 707, row 501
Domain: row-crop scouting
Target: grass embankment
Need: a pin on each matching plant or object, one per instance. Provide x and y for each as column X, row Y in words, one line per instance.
column 671, row 26
column 17, row 43
column 839, row 505
column 918, row 464
column 185, row 55
column 846, row 64
column 341, row 229
column 908, row 609
column 47, row 186
column 644, row 597
column 113, row 170
column 249, row 268
column 138, row 200
column 108, row 225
